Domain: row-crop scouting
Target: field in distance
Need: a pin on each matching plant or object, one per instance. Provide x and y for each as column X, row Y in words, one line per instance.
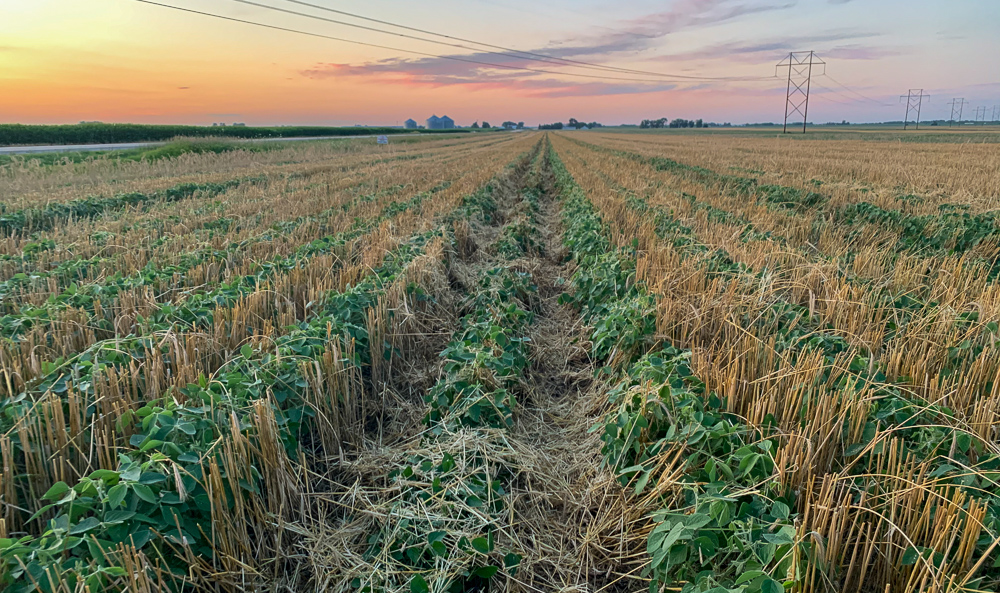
column 612, row 360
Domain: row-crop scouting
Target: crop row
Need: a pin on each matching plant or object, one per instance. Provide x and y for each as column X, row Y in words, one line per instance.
column 868, row 274
column 162, row 493
column 727, row 527
column 448, row 504
column 34, row 219
column 885, row 172
column 279, row 293
column 24, row 186
column 790, row 435
column 81, row 316
column 794, row 323
column 441, row 529
column 877, row 320
column 130, row 237
column 793, row 328
column 104, row 271
column 206, row 464
column 951, row 231
column 193, row 310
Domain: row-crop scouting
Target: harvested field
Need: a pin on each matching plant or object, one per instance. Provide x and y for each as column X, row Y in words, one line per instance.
column 515, row 362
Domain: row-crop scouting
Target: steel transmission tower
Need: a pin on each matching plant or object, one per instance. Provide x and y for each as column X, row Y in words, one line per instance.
column 981, row 115
column 914, row 101
column 800, row 70
column 957, row 104
column 996, row 113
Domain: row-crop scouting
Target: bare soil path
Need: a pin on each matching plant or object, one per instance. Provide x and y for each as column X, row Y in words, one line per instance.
column 567, row 504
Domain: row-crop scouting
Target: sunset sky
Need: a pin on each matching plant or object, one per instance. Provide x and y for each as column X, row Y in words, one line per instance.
column 63, row 61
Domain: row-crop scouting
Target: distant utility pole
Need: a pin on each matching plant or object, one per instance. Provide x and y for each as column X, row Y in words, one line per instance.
column 959, row 104
column 800, row 70
column 914, row 101
column 981, row 115
column 996, row 114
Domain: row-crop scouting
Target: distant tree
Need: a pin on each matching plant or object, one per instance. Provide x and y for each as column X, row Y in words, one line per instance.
column 698, row 124
column 520, row 125
column 486, row 125
column 594, row 124
column 556, row 126
column 573, row 123
column 685, row 123
column 509, row 125
column 475, row 126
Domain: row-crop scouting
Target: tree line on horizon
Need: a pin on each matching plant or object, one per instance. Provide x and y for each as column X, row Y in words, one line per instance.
column 664, row 122
column 573, row 123
column 507, row 125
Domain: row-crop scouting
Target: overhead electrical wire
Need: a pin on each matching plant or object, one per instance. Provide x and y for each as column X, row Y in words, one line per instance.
column 826, row 98
column 835, row 92
column 504, row 51
column 863, row 96
column 381, row 46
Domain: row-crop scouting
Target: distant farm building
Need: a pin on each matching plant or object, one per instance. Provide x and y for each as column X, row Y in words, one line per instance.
column 440, row 123
column 410, row 124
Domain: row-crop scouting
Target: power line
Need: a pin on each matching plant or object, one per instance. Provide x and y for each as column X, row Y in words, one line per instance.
column 831, row 99
column 377, row 30
column 505, row 51
column 839, row 94
column 380, row 46
column 849, row 89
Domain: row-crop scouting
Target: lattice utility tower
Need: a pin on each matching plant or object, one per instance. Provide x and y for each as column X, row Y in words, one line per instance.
column 981, row 115
column 957, row 104
column 914, row 101
column 800, row 70
column 996, row 113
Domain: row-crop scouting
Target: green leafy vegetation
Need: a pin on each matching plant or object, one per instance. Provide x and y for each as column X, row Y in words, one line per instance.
column 733, row 525
column 159, row 495
column 35, row 219
column 98, row 133
column 441, row 532
column 390, row 389
column 180, row 146
column 732, row 529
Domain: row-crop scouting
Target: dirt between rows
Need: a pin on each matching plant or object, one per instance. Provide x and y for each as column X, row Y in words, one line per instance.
column 567, row 513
